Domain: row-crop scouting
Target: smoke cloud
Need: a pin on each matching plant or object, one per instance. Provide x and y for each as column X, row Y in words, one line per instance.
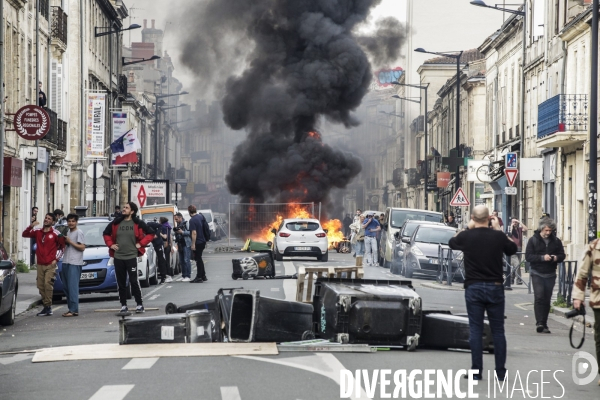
column 279, row 66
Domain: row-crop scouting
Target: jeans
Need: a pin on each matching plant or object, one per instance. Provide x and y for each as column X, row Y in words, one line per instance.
column 542, row 293
column 371, row 251
column 70, row 275
column 359, row 248
column 124, row 268
column 487, row 297
column 200, row 272
column 185, row 254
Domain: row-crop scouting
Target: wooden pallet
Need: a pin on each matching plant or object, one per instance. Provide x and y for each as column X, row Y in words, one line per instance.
column 306, row 278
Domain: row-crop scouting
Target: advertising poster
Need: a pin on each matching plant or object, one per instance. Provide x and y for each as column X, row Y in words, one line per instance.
column 96, row 109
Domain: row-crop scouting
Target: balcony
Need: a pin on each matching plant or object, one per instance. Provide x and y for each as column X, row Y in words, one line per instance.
column 563, row 121
column 398, row 178
column 59, row 29
column 58, row 132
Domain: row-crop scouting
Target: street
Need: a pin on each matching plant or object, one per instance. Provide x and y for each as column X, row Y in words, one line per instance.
column 285, row 376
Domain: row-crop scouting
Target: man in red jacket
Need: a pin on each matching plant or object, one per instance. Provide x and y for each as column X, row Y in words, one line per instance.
column 127, row 237
column 50, row 245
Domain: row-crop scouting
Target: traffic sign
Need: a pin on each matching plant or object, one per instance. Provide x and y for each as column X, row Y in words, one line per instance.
column 460, row 199
column 511, row 176
column 511, row 160
column 510, row 190
column 99, row 170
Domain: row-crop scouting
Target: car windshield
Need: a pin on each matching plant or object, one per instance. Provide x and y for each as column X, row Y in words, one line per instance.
column 434, row 235
column 400, row 216
column 302, row 226
column 93, row 233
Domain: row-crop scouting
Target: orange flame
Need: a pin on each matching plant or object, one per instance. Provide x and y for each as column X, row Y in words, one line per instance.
column 334, row 231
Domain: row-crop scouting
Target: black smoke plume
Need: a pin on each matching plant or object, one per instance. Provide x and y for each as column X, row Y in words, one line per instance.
column 279, row 67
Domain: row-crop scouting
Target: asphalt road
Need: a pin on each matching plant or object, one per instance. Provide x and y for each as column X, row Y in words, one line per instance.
column 286, row 376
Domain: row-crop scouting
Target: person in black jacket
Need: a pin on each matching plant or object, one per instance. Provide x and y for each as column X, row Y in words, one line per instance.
column 544, row 251
column 483, row 250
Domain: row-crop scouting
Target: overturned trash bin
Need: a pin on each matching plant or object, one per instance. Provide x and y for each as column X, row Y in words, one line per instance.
column 441, row 330
column 259, row 265
column 365, row 311
column 189, row 327
column 262, row 319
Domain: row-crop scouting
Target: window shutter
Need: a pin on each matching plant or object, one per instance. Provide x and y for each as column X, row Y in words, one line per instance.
column 59, row 92
column 52, row 89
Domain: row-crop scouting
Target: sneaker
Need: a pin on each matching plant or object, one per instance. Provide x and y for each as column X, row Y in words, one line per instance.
column 49, row 310
column 169, row 279
column 186, row 279
column 162, row 282
column 43, row 313
column 124, row 309
column 139, row 309
column 204, row 279
column 539, row 328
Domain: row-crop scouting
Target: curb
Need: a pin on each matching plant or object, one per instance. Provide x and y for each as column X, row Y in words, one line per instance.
column 559, row 311
column 440, row 286
column 30, row 304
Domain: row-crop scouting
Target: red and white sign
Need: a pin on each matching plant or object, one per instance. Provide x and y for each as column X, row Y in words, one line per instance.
column 460, row 199
column 511, row 175
column 32, row 122
column 443, row 179
column 147, row 193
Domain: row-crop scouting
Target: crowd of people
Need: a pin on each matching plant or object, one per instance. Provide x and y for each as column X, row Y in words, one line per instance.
column 126, row 236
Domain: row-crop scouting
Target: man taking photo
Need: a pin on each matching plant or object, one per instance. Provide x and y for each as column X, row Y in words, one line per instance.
column 483, row 249
column 127, row 238
column 184, row 246
column 50, row 244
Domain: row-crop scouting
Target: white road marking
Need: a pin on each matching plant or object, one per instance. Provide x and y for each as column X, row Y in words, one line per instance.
column 230, row 393
column 112, row 392
column 324, row 364
column 141, row 363
column 289, row 285
column 152, row 291
column 154, row 297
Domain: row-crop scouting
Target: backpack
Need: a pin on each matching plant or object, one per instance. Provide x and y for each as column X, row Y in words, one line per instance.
column 205, row 228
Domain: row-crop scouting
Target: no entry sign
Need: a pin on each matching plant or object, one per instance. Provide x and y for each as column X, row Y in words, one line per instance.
column 32, row 122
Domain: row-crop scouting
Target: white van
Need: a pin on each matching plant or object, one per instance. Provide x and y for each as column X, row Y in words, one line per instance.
column 392, row 222
column 210, row 218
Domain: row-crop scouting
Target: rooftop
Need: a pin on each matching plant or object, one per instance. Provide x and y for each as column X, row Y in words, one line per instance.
column 467, row 57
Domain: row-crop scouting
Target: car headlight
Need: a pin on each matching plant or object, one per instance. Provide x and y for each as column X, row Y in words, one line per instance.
column 140, row 259
column 111, row 262
column 416, row 251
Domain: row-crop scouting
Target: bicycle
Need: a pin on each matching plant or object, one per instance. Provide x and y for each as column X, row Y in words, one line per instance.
column 488, row 172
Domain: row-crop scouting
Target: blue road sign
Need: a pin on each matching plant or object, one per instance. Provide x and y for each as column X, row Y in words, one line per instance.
column 510, row 160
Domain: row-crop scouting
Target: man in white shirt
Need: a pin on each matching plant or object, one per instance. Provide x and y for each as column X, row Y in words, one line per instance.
column 72, row 263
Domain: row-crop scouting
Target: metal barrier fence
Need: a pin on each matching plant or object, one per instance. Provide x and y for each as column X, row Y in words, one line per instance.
column 567, row 273
column 255, row 220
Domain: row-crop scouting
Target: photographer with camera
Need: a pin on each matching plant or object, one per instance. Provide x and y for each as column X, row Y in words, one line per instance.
column 544, row 251
column 184, row 246
column 371, row 226
column 591, row 260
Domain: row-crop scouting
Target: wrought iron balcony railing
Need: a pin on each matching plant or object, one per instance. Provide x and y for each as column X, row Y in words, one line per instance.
column 59, row 25
column 563, row 113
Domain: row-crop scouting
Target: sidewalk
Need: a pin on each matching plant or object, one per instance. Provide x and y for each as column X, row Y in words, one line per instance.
column 28, row 295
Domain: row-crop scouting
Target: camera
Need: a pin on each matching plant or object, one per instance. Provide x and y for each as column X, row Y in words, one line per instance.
column 576, row 311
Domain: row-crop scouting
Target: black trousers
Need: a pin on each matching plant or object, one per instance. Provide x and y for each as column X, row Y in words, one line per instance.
column 161, row 262
column 200, row 272
column 124, row 268
column 542, row 293
column 168, row 261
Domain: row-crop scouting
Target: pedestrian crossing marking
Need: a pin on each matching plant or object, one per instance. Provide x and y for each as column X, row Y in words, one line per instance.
column 141, row 363
column 112, row 392
column 230, row 393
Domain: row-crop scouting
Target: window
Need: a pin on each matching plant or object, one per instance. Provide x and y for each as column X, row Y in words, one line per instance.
column 401, row 216
column 434, row 235
column 302, row 226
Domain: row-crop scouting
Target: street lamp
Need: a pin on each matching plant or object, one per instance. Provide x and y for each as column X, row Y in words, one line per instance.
column 421, row 87
column 97, row 32
column 457, row 57
column 139, row 60
column 480, row 3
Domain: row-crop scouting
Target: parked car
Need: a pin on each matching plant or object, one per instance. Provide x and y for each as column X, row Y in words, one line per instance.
column 9, row 286
column 98, row 273
column 393, row 221
column 298, row 237
column 210, row 218
column 407, row 231
column 422, row 249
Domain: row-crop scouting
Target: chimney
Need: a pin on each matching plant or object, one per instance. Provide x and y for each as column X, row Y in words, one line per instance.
column 145, row 23
column 152, row 24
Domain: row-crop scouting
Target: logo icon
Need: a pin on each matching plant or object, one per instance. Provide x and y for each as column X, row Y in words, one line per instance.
column 584, row 368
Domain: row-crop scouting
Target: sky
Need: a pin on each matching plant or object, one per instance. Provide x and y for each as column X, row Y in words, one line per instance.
column 159, row 10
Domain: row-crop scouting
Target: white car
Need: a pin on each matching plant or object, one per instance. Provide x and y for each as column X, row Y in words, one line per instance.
column 300, row 238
